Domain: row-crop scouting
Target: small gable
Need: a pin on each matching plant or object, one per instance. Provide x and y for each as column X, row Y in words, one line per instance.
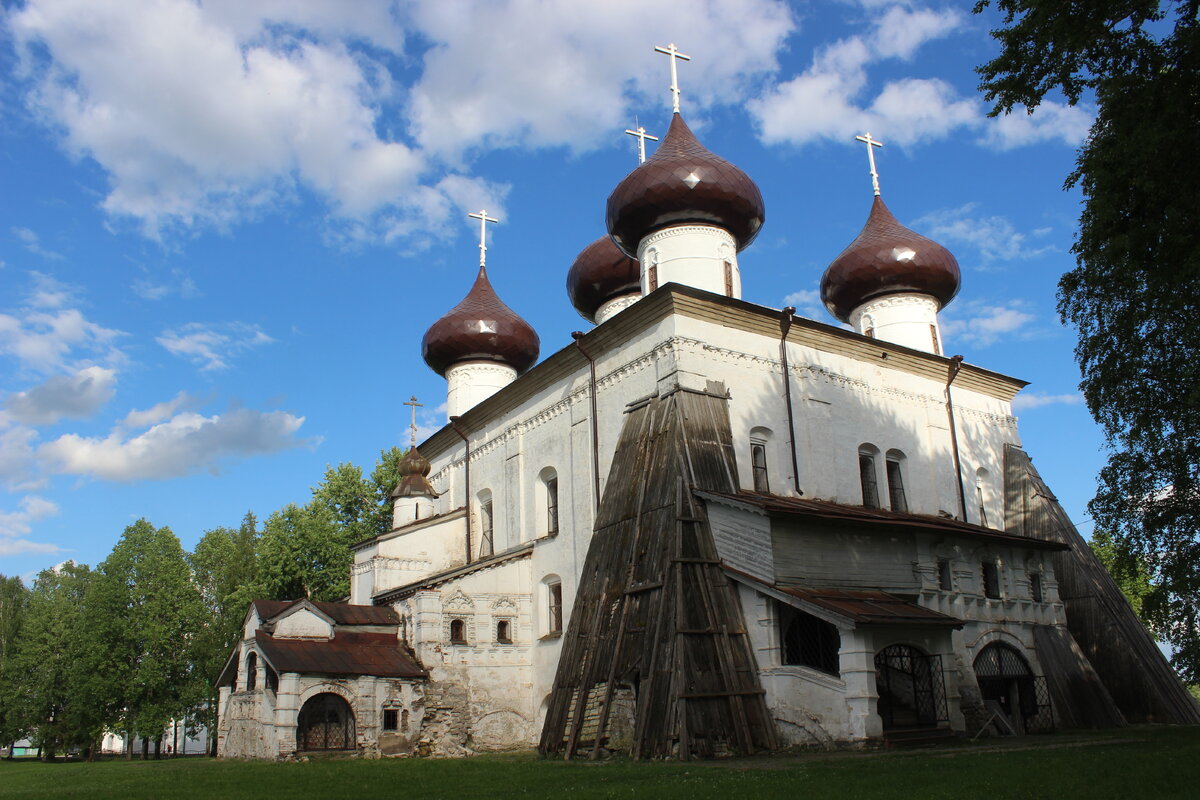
column 303, row 623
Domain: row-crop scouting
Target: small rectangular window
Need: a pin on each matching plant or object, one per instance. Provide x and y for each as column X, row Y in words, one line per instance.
column 555, row 607
column 391, row 719
column 982, row 506
column 486, row 546
column 945, row 579
column 503, row 632
column 652, row 277
column 758, row 463
column 937, row 350
column 866, row 472
column 728, row 279
column 991, row 580
column 807, row 641
column 551, row 506
column 458, row 631
column 1035, row 587
column 896, row 486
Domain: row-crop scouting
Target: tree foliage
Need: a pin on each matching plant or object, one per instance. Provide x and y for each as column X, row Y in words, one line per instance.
column 304, row 553
column 14, row 603
column 1134, row 295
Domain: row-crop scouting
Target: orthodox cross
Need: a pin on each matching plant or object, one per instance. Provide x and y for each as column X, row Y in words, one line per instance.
column 671, row 51
column 871, row 145
column 484, row 219
column 412, row 401
column 642, row 136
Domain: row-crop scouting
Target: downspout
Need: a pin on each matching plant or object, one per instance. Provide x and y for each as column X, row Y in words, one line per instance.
column 578, row 337
column 955, row 365
column 467, row 478
column 785, row 325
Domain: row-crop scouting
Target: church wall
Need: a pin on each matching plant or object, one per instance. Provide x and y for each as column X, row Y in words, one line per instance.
column 812, row 556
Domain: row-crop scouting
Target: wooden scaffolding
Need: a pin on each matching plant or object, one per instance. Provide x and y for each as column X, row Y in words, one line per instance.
column 656, row 660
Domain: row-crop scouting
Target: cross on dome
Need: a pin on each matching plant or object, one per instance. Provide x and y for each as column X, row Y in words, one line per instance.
column 642, row 136
column 871, row 144
column 673, row 52
column 412, row 401
column 484, row 219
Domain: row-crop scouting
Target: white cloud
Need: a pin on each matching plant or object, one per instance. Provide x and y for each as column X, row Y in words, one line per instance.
column 1027, row 400
column 15, row 525
column 75, row 396
column 184, row 444
column 982, row 325
column 993, row 236
column 33, row 244
column 43, row 340
column 179, row 283
column 204, row 114
column 17, row 458
column 827, row 100
column 144, row 418
column 212, row 346
column 48, row 291
column 1050, row 121
column 807, row 303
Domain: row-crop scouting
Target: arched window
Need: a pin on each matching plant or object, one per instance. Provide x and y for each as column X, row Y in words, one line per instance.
column 547, row 500
column 487, row 546
column 504, row 632
column 251, row 672
column 867, row 475
column 759, row 438
column 458, row 631
column 895, row 479
column 272, row 678
column 981, row 476
column 868, row 326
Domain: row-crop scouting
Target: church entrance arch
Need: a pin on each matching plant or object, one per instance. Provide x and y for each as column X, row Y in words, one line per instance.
column 326, row 722
column 912, row 691
column 1010, row 688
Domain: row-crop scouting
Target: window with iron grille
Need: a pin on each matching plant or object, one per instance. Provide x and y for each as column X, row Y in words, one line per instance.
column 758, row 463
column 554, row 607
column 945, row 579
column 896, row 485
column 391, row 719
column 458, row 631
column 808, row 641
column 991, row 579
column 1035, row 587
column 866, row 474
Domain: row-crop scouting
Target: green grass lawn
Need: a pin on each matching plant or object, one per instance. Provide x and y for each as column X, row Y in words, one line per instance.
column 1135, row 763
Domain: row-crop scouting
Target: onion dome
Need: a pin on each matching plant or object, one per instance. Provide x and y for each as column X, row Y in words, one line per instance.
column 887, row 258
column 683, row 182
column 601, row 273
column 480, row 328
column 414, row 481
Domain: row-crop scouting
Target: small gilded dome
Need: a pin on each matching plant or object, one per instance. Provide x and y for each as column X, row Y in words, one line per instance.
column 414, row 481
column 888, row 258
column 601, row 273
column 480, row 328
column 683, row 182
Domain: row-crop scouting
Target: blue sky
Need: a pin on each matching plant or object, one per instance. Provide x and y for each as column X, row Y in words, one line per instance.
column 225, row 226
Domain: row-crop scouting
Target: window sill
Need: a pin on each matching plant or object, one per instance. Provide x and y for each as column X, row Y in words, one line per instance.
column 459, row 642
column 551, row 636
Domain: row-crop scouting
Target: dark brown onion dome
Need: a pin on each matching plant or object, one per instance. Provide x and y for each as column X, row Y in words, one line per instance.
column 887, row 258
column 414, row 481
column 683, row 182
column 601, row 273
column 480, row 328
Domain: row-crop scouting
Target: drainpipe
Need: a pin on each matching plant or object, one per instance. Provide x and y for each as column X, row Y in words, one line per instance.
column 785, row 325
column 578, row 337
column 467, row 469
column 955, row 366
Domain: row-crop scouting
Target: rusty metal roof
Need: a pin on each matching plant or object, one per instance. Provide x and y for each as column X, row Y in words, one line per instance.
column 871, row 607
column 340, row 613
column 378, row 654
column 875, row 518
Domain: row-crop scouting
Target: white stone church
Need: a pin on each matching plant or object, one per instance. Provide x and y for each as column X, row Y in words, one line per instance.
column 707, row 526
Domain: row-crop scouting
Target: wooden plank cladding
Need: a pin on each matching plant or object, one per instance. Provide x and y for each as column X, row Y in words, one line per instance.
column 656, row 660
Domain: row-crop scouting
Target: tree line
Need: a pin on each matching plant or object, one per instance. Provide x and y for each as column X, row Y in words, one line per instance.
column 139, row 641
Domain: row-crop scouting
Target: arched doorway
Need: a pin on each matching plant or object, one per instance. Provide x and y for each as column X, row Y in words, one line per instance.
column 1009, row 687
column 911, row 690
column 326, row 722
